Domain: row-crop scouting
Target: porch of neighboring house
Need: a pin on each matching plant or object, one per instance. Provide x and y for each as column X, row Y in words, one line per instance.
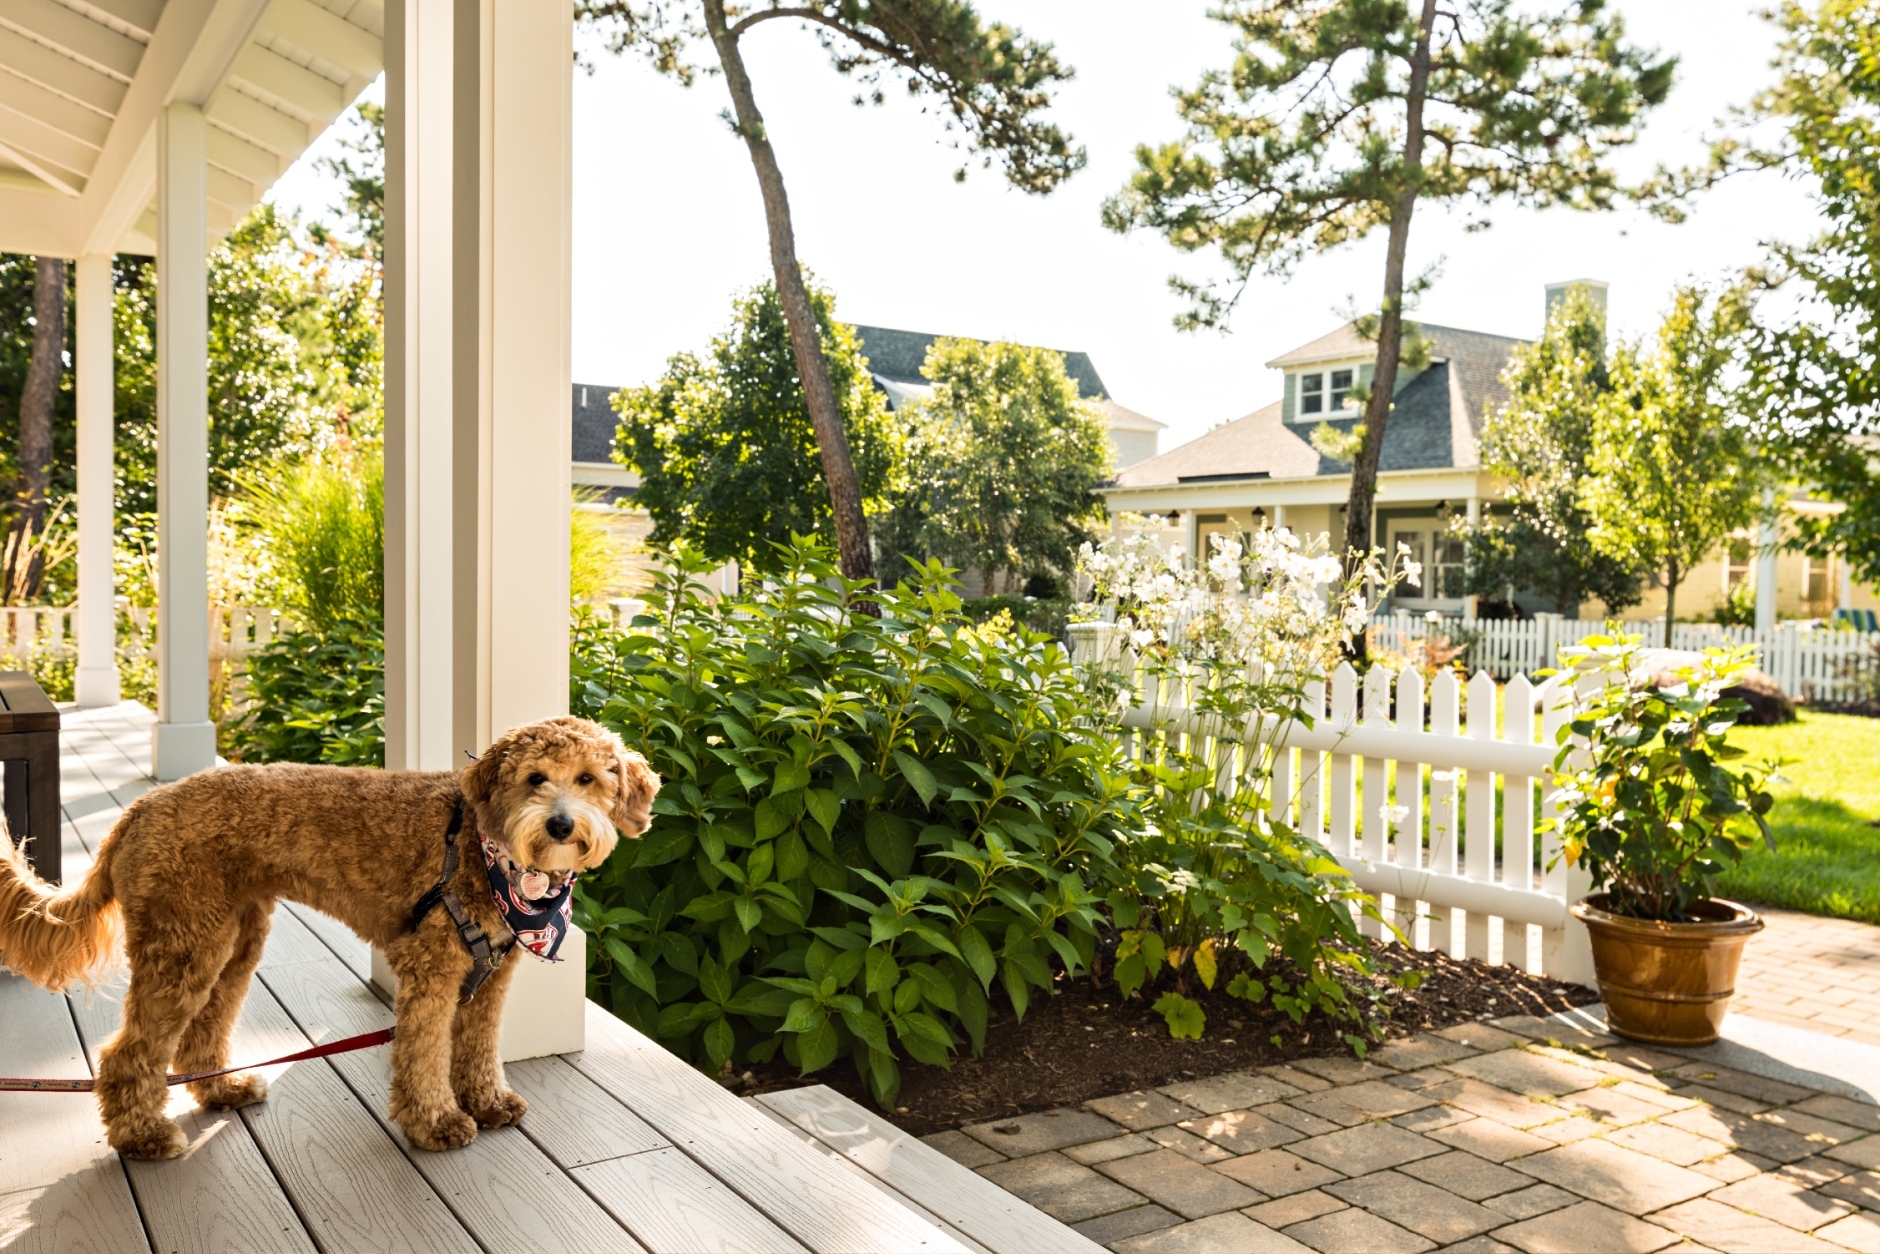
column 625, row 1147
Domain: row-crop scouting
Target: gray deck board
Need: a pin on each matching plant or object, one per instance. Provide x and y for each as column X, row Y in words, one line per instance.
column 573, row 1119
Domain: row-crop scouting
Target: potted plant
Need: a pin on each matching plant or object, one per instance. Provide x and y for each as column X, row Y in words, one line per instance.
column 1655, row 805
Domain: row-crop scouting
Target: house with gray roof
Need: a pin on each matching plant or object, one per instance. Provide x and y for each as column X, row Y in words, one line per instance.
column 1262, row 470
column 895, row 359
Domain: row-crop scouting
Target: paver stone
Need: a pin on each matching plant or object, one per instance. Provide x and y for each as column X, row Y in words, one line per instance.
column 1859, row 1231
column 1862, row 1188
column 1063, row 1189
column 1304, row 1081
column 1538, row 1199
column 1141, row 1110
column 1296, row 1209
column 1430, row 1118
column 1466, row 1175
column 1491, row 1139
column 1094, row 1152
column 1425, row 1049
column 1722, row 1100
column 1587, row 1228
column 1242, row 1131
column 1417, row 1081
column 1221, row 1093
column 1344, row 1070
column 1842, row 1110
column 1277, row 1172
column 1788, row 1202
column 1048, row 1130
column 1423, row 1208
column 1862, row 1153
column 1480, row 1036
column 1755, row 1087
column 1353, row 1229
column 1553, row 1030
column 1188, row 1145
column 1674, row 1145
column 1231, row 1233
column 1815, row 1171
column 1127, row 1223
column 1530, row 1074
column 1491, row 1102
column 1621, row 1178
column 1298, row 1120
column 1608, row 1105
column 1184, row 1186
column 1362, row 1150
column 1817, row 1128
column 1479, row 1245
column 1568, row 1130
column 1735, row 1232
column 1729, row 1168
column 963, row 1150
column 1352, row 1104
column 1745, row 1132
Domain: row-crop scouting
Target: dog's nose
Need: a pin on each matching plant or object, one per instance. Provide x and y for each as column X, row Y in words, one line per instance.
column 560, row 826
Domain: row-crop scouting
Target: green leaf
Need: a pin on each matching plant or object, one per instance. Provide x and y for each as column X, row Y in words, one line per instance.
column 883, row 971
column 749, row 913
column 867, row 1028
column 817, row 1047
column 1015, row 987
column 977, row 953
column 629, row 964
column 916, row 773
column 714, row 982
column 770, row 821
column 1129, row 974
column 791, row 777
column 803, row 1015
column 719, row 1041
column 1186, row 1020
column 678, row 952
column 823, row 806
column 792, row 855
column 890, row 842
column 934, row 986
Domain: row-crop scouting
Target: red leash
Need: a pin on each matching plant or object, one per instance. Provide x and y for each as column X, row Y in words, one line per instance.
column 365, row 1040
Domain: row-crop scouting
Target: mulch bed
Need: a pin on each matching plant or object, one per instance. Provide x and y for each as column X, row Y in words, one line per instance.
column 1086, row 1043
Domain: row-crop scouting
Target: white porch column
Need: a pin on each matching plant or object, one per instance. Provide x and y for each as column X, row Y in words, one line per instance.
column 97, row 679
column 418, row 386
column 1471, row 603
column 184, row 740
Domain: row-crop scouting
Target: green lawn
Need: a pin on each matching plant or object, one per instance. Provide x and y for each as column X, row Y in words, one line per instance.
column 1827, row 857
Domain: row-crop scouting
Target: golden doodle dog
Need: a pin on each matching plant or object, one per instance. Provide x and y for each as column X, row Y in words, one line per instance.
column 192, row 870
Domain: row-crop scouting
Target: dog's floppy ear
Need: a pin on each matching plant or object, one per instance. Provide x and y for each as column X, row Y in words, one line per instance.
column 638, row 785
column 478, row 780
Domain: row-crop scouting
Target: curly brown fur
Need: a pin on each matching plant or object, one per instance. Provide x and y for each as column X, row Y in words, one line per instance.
column 193, row 869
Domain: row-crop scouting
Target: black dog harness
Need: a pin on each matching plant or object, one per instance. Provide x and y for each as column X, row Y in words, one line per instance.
column 484, row 957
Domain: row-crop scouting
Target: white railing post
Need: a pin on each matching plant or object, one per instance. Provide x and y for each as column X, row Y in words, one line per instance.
column 1445, row 831
column 1517, row 818
column 1479, row 828
column 1408, row 849
column 1343, row 832
column 1375, row 822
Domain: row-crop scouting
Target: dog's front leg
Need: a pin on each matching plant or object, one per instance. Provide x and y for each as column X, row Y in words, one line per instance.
column 476, row 1068
column 423, row 1105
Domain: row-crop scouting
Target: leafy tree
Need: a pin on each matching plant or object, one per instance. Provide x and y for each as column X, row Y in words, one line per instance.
column 360, row 169
column 1539, row 446
column 1339, row 116
column 992, row 82
column 1003, row 462
column 1674, row 470
column 1819, row 122
column 725, row 444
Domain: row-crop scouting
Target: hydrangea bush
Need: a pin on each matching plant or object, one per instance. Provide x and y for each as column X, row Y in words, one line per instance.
column 1219, row 881
column 869, row 826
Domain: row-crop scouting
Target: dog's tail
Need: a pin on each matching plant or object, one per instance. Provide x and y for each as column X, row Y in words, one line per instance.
column 57, row 937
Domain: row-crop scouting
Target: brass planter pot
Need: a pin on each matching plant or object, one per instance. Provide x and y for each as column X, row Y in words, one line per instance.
column 1667, row 983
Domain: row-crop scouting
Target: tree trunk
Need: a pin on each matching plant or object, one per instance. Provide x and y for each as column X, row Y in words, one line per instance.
column 1390, row 316
column 845, row 491
column 26, row 568
column 1673, row 577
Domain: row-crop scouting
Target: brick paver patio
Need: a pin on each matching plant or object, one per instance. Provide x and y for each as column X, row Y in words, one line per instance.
column 1515, row 1135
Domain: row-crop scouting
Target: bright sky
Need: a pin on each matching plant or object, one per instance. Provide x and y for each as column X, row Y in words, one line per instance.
column 669, row 225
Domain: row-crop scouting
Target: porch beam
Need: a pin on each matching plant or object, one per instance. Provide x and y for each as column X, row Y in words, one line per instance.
column 95, row 367
column 184, row 739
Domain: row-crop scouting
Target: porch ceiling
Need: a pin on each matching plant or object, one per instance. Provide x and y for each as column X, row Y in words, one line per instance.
column 81, row 83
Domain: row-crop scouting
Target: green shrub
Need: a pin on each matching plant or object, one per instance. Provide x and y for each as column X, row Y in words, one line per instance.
column 867, row 825
column 322, row 524
column 316, row 696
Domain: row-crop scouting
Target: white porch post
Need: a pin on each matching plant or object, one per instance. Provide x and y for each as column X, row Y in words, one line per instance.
column 418, row 386
column 184, row 740
column 479, row 105
column 1471, row 603
column 97, row 679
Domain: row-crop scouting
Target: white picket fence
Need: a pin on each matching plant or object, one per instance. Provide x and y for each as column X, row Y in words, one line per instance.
column 1411, row 801
column 235, row 631
column 1812, row 663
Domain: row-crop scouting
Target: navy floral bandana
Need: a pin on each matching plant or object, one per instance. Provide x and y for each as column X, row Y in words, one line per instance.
column 537, row 905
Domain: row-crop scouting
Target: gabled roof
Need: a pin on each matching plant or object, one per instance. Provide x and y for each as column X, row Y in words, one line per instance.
column 594, row 423
column 1435, row 423
column 897, row 356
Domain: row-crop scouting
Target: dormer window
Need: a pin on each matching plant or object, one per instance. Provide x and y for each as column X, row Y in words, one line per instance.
column 1341, row 384
column 1312, row 392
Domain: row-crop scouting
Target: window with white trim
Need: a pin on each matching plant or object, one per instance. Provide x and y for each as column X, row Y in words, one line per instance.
column 1341, row 386
column 1312, row 393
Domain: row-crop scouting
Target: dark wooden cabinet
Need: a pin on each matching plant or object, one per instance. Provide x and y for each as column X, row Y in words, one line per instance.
column 29, row 751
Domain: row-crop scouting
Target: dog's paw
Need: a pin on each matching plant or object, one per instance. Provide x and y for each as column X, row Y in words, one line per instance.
column 230, row 1091
column 496, row 1109
column 147, row 1138
column 452, row 1130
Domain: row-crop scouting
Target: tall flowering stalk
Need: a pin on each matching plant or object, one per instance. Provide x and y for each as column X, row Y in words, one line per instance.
column 1219, row 653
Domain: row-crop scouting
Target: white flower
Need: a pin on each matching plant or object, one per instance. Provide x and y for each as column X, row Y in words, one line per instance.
column 1444, row 777
column 1393, row 815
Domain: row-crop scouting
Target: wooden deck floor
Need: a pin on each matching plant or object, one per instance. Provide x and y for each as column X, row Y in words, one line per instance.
column 625, row 1148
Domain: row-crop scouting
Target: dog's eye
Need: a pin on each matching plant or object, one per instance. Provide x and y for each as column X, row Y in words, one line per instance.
column 537, row 780
column 585, row 779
